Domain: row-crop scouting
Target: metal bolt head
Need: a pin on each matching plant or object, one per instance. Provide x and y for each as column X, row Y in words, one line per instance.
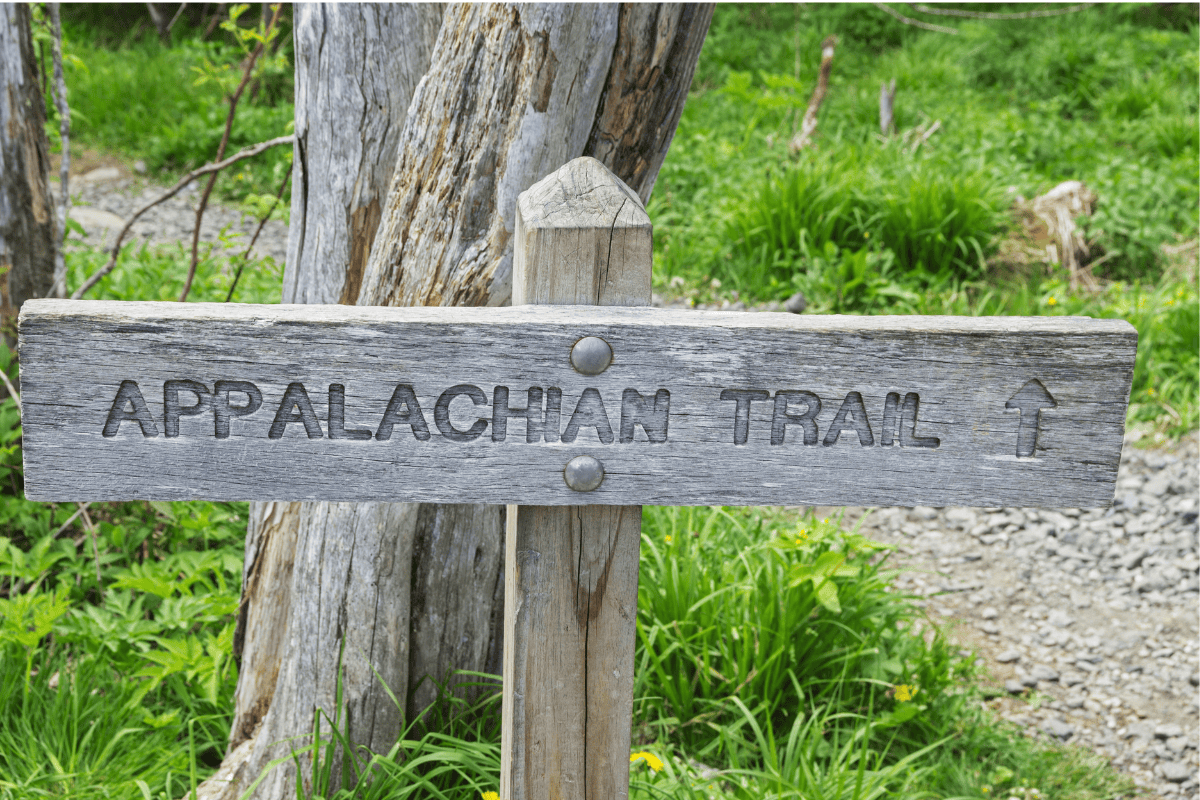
column 583, row 473
column 591, row 355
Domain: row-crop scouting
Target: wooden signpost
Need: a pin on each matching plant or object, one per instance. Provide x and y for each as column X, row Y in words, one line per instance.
column 572, row 396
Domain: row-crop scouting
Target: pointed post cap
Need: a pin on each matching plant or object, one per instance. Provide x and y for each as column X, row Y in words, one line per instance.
column 581, row 194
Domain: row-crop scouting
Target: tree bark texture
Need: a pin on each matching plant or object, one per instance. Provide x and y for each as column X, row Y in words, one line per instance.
column 26, row 210
column 658, row 45
column 511, row 93
column 356, row 68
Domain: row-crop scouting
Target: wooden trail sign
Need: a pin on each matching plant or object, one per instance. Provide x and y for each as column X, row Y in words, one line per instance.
column 185, row 401
column 570, row 396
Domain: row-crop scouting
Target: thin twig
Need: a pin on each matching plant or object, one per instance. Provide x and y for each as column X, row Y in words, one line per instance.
column 926, row 25
column 64, row 128
column 12, row 390
column 954, row 12
column 70, row 519
column 242, row 263
column 249, row 152
column 233, row 102
column 925, row 136
column 175, row 18
column 87, row 521
column 809, row 125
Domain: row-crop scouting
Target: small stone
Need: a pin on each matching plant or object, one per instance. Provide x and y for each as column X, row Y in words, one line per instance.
column 139, row 167
column 1177, row 744
column 1071, row 679
column 796, row 303
column 1075, row 701
column 1059, row 618
column 989, row 628
column 101, row 174
column 1042, row 672
column 1168, row 730
column 1014, row 687
column 1029, row 680
column 1159, row 484
column 989, row 613
column 1058, row 729
column 1009, row 656
column 1175, row 771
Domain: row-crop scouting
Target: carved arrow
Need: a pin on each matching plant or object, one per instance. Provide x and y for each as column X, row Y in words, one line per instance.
column 1030, row 400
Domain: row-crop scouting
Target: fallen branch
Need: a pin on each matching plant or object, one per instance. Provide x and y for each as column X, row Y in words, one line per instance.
column 809, row 125
column 925, row 136
column 915, row 22
column 954, row 12
column 249, row 152
column 242, row 262
column 887, row 99
column 59, row 289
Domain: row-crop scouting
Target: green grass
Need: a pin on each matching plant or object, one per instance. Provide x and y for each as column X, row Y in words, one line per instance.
column 167, row 106
column 863, row 224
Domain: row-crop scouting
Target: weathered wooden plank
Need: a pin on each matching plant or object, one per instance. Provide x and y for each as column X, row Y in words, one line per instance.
column 965, row 373
column 582, row 236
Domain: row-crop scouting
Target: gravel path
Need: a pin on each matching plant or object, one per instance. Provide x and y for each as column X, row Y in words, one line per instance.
column 1088, row 621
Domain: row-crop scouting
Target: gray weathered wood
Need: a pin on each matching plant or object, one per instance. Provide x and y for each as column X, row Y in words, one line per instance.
column 358, row 62
column 582, row 237
column 515, row 98
column 26, row 213
column 75, row 356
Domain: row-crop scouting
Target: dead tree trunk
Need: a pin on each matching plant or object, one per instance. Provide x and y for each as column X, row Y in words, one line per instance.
column 26, row 210
column 512, row 93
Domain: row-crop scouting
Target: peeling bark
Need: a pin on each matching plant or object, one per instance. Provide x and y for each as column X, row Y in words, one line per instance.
column 26, row 212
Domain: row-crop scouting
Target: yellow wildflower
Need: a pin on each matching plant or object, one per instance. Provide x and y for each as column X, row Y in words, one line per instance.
column 1051, row 300
column 669, row 538
column 904, row 692
column 1150, row 391
column 491, row 796
column 652, row 761
column 866, row 234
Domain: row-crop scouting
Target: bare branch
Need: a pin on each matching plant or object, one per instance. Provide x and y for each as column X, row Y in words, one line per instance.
column 242, row 264
column 915, row 22
column 954, row 12
column 12, row 390
column 249, row 152
column 208, row 187
column 809, row 125
column 175, row 18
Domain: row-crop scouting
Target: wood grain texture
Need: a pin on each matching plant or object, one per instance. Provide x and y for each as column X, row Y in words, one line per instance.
column 26, row 213
column 571, row 572
column 514, row 98
column 354, row 62
column 76, row 354
column 357, row 66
